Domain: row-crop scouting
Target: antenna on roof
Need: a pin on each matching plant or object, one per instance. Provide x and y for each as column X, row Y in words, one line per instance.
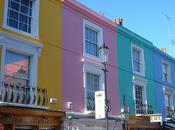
column 171, row 45
column 168, row 18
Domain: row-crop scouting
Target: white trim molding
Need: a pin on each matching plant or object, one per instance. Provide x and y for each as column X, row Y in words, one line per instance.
column 21, row 46
column 99, row 31
column 34, row 21
column 142, row 60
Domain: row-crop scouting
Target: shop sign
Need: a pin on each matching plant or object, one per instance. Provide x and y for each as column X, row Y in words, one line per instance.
column 155, row 118
column 28, row 120
column 99, row 105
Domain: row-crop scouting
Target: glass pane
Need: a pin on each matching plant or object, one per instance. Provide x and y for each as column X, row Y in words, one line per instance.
column 23, row 27
column 25, row 2
column 23, row 18
column 140, row 107
column 12, row 23
column 24, row 10
column 20, row 14
column 91, row 48
column 136, row 60
column 91, row 40
column 90, row 101
column 92, row 82
column 17, row 68
column 14, row 6
column 13, row 15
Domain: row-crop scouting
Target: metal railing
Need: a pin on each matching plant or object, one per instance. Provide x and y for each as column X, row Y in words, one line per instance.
column 23, row 95
column 90, row 101
column 144, row 109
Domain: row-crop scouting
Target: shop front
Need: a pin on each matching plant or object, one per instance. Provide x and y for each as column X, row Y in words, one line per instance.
column 143, row 123
column 21, row 118
column 81, row 121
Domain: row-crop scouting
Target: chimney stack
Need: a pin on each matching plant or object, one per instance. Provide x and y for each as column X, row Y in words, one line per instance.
column 118, row 21
column 164, row 50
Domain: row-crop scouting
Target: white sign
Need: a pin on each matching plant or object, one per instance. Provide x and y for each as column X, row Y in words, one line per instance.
column 155, row 118
column 99, row 104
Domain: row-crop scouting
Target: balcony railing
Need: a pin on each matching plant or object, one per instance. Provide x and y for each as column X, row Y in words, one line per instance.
column 144, row 109
column 90, row 101
column 16, row 94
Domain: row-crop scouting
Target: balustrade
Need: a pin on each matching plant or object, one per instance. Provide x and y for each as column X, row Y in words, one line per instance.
column 20, row 94
column 144, row 109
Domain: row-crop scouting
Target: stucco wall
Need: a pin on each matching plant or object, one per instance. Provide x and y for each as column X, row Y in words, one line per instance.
column 125, row 39
column 73, row 67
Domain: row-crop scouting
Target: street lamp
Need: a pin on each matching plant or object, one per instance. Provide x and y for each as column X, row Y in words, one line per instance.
column 104, row 54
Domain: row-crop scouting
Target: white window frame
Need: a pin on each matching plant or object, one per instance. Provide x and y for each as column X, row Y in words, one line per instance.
column 34, row 21
column 169, row 71
column 12, row 43
column 94, row 69
column 169, row 91
column 140, row 82
column 99, row 30
column 142, row 60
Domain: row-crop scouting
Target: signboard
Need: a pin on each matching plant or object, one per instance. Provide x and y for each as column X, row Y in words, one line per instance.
column 155, row 118
column 99, row 104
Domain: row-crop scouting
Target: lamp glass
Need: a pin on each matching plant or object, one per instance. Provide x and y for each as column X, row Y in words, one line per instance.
column 104, row 53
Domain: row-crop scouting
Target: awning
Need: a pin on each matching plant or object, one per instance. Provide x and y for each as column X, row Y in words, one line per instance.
column 170, row 126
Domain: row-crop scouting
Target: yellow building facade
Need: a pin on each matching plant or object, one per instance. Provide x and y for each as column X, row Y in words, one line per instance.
column 30, row 57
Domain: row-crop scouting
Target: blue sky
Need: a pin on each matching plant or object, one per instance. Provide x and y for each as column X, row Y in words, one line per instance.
column 144, row 17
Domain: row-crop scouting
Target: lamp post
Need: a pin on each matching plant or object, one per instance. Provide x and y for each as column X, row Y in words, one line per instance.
column 104, row 54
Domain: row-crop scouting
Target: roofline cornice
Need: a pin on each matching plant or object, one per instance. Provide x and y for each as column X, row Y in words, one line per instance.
column 85, row 11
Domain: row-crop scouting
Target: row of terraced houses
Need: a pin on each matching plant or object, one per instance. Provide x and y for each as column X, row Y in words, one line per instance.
column 50, row 70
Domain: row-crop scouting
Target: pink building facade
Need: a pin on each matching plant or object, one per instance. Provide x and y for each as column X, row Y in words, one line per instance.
column 83, row 32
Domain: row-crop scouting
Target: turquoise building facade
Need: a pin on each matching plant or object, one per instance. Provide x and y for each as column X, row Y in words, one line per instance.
column 136, row 73
column 145, row 76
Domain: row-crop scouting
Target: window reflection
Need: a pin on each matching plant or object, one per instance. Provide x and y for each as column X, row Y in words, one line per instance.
column 16, row 68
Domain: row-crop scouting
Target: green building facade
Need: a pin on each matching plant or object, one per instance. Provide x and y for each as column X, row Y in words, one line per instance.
column 136, row 73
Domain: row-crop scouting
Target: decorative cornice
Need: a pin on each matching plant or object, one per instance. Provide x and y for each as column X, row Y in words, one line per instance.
column 85, row 11
column 4, row 36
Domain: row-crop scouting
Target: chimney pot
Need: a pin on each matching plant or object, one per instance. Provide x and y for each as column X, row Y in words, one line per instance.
column 164, row 50
column 118, row 21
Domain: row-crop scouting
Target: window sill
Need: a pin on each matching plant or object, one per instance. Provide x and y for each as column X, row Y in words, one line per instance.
column 89, row 56
column 20, row 32
column 139, row 73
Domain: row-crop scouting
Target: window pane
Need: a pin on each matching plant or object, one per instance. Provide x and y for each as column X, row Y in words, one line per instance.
column 13, row 23
column 137, row 60
column 165, row 72
column 91, row 48
column 14, row 6
column 23, row 18
column 92, row 82
column 25, row 2
column 91, row 40
column 13, row 15
column 17, row 68
column 23, row 27
column 21, row 12
column 24, row 10
column 139, row 94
